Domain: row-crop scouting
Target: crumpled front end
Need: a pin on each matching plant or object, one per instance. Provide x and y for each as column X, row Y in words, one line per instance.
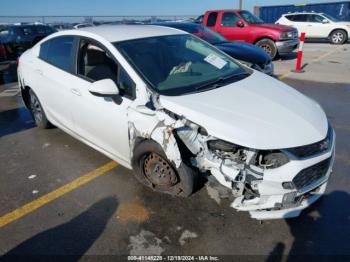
column 269, row 184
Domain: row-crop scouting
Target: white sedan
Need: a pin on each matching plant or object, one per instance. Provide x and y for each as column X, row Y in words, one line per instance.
column 170, row 106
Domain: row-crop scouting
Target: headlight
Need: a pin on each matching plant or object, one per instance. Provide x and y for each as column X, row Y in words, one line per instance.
column 286, row 35
column 273, row 159
column 266, row 159
column 221, row 145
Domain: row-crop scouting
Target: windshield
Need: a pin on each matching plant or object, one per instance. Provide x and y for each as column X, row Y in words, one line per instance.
column 329, row 17
column 179, row 64
column 250, row 18
column 202, row 32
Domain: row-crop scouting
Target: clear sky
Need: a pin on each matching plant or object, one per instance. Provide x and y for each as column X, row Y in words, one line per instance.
column 128, row 7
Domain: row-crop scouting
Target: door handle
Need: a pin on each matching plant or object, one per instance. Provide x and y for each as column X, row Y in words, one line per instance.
column 309, row 25
column 38, row 71
column 75, row 91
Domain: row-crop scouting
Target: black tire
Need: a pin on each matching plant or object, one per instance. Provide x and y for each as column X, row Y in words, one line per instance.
column 338, row 37
column 268, row 46
column 37, row 111
column 174, row 181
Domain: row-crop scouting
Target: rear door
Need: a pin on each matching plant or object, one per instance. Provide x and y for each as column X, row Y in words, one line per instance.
column 54, row 72
column 300, row 21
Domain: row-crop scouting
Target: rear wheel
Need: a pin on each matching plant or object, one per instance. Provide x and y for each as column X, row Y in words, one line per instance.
column 38, row 112
column 338, row 37
column 268, row 46
column 153, row 169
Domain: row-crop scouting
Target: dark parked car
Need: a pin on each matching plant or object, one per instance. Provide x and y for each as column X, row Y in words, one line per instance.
column 18, row 38
column 2, row 53
column 248, row 54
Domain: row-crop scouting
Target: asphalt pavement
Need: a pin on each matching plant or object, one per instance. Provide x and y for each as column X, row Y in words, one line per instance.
column 110, row 213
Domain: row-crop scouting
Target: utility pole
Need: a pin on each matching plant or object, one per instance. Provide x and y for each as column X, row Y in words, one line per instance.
column 240, row 4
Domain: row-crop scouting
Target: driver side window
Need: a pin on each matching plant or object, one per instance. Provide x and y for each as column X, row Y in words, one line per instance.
column 315, row 18
column 229, row 19
column 95, row 64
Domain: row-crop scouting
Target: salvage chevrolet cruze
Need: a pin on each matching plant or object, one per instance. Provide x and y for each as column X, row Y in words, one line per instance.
column 170, row 106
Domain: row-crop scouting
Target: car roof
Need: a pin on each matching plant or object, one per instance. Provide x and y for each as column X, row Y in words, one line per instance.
column 187, row 24
column 225, row 10
column 118, row 33
column 304, row 13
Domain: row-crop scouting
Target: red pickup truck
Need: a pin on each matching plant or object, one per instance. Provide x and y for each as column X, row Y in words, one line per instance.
column 244, row 26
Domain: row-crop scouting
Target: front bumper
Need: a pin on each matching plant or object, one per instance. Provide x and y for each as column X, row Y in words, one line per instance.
column 275, row 201
column 287, row 46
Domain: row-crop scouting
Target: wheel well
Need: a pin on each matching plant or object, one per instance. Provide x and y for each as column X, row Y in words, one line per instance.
column 26, row 95
column 341, row 29
column 261, row 38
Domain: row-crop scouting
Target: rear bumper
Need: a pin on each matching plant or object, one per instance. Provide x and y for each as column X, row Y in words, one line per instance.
column 287, row 46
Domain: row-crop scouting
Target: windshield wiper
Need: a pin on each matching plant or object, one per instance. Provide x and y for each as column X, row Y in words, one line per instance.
column 220, row 81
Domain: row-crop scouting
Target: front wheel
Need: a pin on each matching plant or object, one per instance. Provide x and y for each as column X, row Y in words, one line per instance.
column 338, row 37
column 38, row 112
column 153, row 169
column 268, row 46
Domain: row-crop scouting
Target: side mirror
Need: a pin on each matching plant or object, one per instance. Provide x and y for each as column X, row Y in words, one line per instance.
column 104, row 88
column 240, row 23
column 325, row 21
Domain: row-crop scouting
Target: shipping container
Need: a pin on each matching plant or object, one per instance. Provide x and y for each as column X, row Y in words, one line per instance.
column 270, row 14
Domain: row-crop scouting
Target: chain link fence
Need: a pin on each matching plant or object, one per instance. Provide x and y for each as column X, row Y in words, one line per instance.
column 94, row 19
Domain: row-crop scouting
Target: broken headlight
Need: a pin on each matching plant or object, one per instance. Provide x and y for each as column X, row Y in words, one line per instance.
column 274, row 159
column 220, row 145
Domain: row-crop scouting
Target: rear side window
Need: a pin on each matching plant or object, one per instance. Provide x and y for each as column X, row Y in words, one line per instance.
column 229, row 19
column 44, row 48
column 44, row 29
column 212, row 19
column 27, row 30
column 300, row 18
column 290, row 17
column 60, row 52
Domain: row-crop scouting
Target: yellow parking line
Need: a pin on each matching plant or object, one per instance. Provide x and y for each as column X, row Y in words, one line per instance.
column 41, row 201
column 326, row 54
column 315, row 60
column 284, row 75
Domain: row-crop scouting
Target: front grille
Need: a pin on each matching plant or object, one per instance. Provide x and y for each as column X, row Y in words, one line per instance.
column 311, row 174
column 313, row 149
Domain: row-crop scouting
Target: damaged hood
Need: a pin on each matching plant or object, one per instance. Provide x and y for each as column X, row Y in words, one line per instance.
column 258, row 112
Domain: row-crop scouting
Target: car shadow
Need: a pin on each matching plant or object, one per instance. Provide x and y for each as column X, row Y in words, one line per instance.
column 289, row 56
column 15, row 120
column 8, row 73
column 321, row 232
column 68, row 241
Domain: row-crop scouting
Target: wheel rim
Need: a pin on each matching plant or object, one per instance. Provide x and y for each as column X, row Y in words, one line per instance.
column 266, row 48
column 36, row 109
column 158, row 171
column 337, row 37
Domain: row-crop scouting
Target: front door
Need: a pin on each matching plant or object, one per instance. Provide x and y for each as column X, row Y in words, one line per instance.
column 101, row 120
column 229, row 29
